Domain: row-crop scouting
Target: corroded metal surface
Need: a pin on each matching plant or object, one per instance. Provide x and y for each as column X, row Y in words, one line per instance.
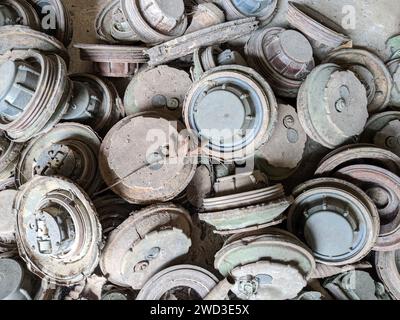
column 332, row 105
column 164, row 163
column 185, row 45
column 8, row 157
column 315, row 25
column 24, row 38
column 205, row 15
column 147, row 91
column 262, row 10
column 155, row 21
column 143, row 244
column 104, row 108
column 251, row 246
column 371, row 71
column 356, row 285
column 7, row 216
column 112, row 211
column 113, row 61
column 383, row 187
column 382, row 130
column 68, row 150
column 387, row 267
column 44, row 207
column 46, row 104
column 358, row 153
column 275, row 52
column 266, row 280
column 283, row 153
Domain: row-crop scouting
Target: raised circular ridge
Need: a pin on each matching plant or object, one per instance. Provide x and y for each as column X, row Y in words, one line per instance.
column 80, row 262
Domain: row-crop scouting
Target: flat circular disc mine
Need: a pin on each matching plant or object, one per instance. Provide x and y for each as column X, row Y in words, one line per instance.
column 336, row 219
column 148, row 91
column 272, row 244
column 69, row 150
column 157, row 170
column 282, row 154
column 332, row 105
column 57, row 230
column 143, row 244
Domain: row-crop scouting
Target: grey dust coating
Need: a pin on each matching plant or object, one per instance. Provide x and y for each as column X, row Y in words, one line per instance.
column 199, row 149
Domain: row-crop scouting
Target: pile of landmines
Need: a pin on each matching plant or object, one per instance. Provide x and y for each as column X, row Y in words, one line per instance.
column 243, row 162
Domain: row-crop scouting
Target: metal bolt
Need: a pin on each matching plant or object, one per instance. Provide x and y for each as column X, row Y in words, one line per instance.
column 173, row 104
column 141, row 266
column 288, row 121
column 340, row 105
column 391, row 142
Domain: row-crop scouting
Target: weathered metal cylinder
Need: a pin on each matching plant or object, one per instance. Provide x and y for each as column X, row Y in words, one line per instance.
column 284, row 57
column 33, row 98
column 155, row 21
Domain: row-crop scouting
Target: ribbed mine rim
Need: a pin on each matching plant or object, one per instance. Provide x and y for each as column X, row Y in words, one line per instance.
column 313, row 28
column 386, row 185
column 84, row 142
column 138, row 23
column 186, row 279
column 388, row 269
column 363, row 218
column 49, row 101
column 72, row 267
column 24, row 38
column 359, row 153
column 251, row 197
column 381, row 74
column 251, row 247
column 111, row 53
column 256, row 57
